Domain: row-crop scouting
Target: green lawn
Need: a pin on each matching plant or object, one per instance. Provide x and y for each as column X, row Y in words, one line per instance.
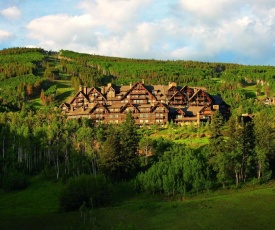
column 250, row 91
column 64, row 90
column 37, row 208
column 194, row 142
column 192, row 136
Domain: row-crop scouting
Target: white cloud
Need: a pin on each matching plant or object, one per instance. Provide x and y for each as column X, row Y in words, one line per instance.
column 11, row 13
column 115, row 14
column 4, row 35
column 197, row 29
column 243, row 27
column 61, row 31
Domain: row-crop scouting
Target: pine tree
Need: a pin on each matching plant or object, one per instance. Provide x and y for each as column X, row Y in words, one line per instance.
column 112, row 162
column 129, row 143
column 218, row 157
column 264, row 143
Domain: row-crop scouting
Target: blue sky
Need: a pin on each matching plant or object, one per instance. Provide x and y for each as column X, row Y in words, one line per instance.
column 236, row 31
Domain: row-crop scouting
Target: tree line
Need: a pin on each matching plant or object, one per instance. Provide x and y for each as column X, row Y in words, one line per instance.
column 46, row 142
column 125, row 70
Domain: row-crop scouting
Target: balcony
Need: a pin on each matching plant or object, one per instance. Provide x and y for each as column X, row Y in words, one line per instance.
column 138, row 92
column 177, row 103
column 79, row 100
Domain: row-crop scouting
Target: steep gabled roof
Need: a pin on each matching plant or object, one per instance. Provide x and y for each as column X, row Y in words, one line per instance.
column 138, row 84
column 159, row 104
column 180, row 111
column 173, row 86
column 98, row 105
column 129, row 105
column 79, row 92
column 178, row 92
column 97, row 90
column 195, row 94
column 64, row 104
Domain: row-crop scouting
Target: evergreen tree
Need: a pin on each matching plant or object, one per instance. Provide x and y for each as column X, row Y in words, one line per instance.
column 129, row 140
column 218, row 156
column 112, row 161
column 264, row 143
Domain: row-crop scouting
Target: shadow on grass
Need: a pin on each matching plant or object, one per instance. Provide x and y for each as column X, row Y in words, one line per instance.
column 250, row 94
column 64, row 96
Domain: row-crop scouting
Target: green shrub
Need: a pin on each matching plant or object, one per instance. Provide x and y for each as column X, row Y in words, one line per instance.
column 15, row 181
column 94, row 190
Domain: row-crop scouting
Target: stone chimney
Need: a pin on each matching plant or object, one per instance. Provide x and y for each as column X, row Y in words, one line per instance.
column 85, row 89
column 80, row 88
column 170, row 84
column 102, row 89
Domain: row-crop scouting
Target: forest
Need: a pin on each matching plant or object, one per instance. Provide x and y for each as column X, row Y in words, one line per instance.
column 93, row 161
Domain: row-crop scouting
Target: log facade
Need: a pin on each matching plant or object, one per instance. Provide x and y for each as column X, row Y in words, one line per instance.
column 149, row 104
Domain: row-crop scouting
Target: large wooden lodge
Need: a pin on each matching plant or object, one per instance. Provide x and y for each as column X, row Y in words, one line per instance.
column 150, row 104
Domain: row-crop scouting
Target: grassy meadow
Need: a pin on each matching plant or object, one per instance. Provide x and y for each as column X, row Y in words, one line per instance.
column 37, row 208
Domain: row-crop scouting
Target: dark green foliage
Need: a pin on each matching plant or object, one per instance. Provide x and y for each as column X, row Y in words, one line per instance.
column 15, row 91
column 180, row 170
column 51, row 91
column 119, row 157
column 218, row 159
column 95, row 191
column 264, row 130
column 20, row 61
column 14, row 180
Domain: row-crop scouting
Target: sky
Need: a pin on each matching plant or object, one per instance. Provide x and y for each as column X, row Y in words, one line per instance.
column 234, row 31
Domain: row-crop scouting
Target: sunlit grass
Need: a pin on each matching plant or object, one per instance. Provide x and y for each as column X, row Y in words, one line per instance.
column 64, row 90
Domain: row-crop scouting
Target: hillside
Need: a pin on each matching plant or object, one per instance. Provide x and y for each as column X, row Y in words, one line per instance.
column 35, row 77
